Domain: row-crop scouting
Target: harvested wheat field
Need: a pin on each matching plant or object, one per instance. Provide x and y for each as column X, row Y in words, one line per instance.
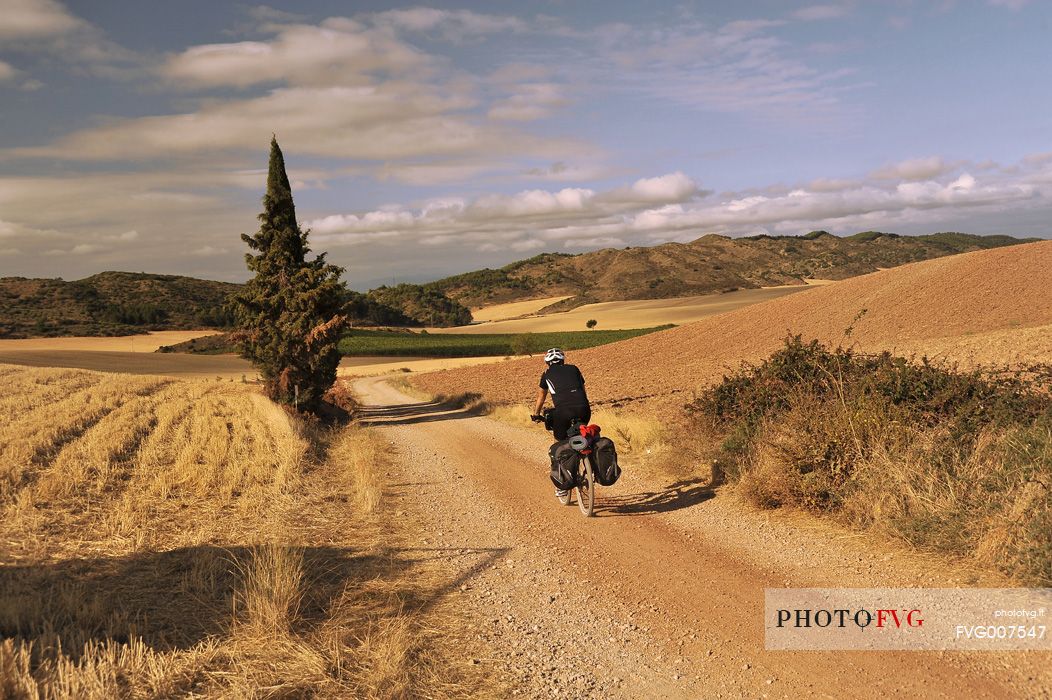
column 514, row 309
column 640, row 313
column 990, row 306
column 165, row 538
column 144, row 342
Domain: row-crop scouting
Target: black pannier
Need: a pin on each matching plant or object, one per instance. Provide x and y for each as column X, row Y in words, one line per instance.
column 607, row 472
column 565, row 461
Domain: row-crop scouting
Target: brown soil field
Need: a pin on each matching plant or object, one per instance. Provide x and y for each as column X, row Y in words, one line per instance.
column 371, row 366
column 160, row 364
column 974, row 307
column 643, row 313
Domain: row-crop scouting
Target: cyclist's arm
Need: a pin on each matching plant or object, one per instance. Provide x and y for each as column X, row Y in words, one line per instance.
column 542, row 394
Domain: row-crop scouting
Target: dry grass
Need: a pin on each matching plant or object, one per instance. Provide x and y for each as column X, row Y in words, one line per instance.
column 955, row 462
column 632, row 433
column 168, row 538
column 361, row 455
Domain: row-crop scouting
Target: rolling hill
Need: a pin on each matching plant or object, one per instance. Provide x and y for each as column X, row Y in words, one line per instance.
column 110, row 303
column 125, row 303
column 991, row 306
column 709, row 264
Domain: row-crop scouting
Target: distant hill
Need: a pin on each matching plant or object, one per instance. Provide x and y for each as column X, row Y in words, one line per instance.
column 989, row 307
column 125, row 303
column 707, row 265
column 110, row 303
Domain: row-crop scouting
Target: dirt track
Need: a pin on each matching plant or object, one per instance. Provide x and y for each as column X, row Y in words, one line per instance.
column 661, row 595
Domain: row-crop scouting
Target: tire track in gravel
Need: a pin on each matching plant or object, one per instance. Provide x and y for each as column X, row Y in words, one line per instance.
column 630, row 606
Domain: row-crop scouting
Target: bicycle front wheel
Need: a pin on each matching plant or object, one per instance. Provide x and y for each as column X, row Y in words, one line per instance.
column 586, row 489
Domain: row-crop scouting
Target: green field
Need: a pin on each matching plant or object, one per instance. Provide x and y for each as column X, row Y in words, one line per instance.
column 387, row 343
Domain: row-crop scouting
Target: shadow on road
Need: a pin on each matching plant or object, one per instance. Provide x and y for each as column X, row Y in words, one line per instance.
column 466, row 406
column 681, row 494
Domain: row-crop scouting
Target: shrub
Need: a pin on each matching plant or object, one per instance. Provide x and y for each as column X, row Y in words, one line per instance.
column 948, row 460
column 591, row 323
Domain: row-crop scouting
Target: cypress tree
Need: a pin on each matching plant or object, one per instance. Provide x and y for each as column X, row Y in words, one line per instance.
column 290, row 314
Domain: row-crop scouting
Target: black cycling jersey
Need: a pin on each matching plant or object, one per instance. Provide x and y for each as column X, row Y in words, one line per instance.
column 566, row 385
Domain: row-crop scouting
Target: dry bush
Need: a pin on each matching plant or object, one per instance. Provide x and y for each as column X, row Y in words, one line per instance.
column 164, row 539
column 958, row 462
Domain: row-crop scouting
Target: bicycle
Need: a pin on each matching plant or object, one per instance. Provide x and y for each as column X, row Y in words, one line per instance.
column 584, row 485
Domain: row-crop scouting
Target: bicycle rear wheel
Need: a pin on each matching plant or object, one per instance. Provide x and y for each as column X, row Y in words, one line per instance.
column 586, row 488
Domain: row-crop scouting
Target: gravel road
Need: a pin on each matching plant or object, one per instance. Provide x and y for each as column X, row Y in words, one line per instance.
column 661, row 594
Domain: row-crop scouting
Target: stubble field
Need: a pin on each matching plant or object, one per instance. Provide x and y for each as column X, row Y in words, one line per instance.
column 164, row 538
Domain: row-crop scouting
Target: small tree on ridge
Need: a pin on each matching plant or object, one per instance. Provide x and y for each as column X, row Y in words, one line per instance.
column 290, row 314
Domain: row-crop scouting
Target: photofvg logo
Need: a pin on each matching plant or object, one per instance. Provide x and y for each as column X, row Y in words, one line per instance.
column 908, row 618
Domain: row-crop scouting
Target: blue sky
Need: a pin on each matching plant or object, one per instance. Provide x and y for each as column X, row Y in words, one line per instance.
column 425, row 140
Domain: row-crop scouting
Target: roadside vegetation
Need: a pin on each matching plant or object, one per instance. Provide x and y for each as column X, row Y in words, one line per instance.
column 168, row 538
column 951, row 461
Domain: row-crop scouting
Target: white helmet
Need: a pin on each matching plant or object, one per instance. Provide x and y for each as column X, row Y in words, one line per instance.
column 554, row 355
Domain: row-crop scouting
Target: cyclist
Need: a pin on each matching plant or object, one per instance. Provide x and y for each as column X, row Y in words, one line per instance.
column 566, row 385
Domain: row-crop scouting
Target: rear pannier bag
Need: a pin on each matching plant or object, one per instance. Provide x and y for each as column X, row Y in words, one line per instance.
column 606, row 470
column 565, row 461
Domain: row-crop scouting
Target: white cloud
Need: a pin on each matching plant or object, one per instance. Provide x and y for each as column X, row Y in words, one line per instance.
column 672, row 208
column 339, row 51
column 560, row 171
column 915, row 169
column 451, row 24
column 34, row 19
column 826, row 184
column 529, row 101
column 389, row 121
column 46, row 26
column 440, row 173
column 673, row 187
column 7, row 71
column 207, row 251
column 740, row 67
column 79, row 249
column 345, row 88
